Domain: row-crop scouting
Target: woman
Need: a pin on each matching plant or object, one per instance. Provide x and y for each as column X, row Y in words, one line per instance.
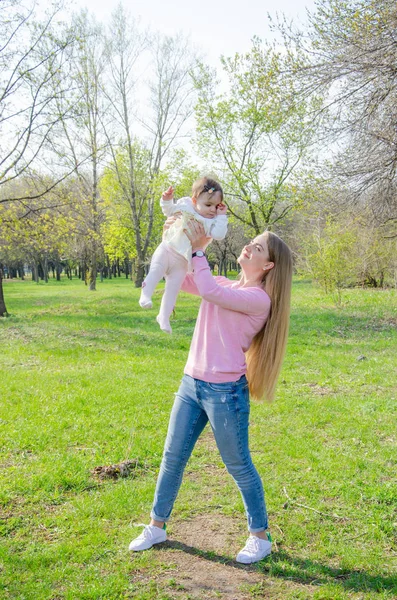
column 237, row 350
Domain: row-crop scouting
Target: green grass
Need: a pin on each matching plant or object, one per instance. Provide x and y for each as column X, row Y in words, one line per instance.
column 88, row 379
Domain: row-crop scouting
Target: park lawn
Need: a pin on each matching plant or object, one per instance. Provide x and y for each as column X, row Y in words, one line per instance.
column 87, row 379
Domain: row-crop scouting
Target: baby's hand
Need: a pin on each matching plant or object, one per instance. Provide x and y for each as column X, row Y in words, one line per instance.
column 221, row 209
column 168, row 194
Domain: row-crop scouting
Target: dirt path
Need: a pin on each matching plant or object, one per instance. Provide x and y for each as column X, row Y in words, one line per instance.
column 198, row 560
column 203, row 563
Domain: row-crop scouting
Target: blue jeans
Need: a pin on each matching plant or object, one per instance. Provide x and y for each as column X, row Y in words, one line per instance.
column 226, row 407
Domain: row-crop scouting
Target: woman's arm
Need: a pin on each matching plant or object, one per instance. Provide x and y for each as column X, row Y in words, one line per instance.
column 251, row 301
column 189, row 285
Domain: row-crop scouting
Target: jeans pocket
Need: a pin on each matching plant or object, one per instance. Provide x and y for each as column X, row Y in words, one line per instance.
column 242, row 399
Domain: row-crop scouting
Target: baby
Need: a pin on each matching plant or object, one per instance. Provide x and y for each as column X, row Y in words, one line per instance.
column 172, row 258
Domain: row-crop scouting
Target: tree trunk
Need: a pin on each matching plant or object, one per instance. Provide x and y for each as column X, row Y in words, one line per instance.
column 140, row 274
column 45, row 269
column 93, row 271
column 84, row 272
column 3, row 309
column 35, row 273
column 40, row 272
column 133, row 269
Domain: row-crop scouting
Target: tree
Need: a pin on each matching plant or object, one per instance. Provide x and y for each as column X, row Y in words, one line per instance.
column 330, row 256
column 119, row 224
column 255, row 133
column 36, row 239
column 170, row 105
column 226, row 252
column 118, row 228
column 348, row 53
column 32, row 53
column 82, row 143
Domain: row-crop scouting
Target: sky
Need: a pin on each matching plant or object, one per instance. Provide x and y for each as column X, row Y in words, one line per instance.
column 215, row 27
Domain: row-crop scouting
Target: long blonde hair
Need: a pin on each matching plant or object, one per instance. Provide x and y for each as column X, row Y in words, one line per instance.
column 265, row 355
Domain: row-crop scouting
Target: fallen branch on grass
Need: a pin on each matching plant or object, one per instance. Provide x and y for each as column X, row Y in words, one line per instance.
column 128, row 468
column 294, row 503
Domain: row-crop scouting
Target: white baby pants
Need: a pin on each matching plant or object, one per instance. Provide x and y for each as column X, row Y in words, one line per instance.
column 171, row 265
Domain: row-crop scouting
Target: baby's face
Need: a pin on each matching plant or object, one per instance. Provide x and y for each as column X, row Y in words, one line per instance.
column 206, row 204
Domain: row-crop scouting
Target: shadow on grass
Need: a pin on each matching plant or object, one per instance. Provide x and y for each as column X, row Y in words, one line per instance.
column 304, row 571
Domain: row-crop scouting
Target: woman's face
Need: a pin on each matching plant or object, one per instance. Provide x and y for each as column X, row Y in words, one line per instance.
column 255, row 255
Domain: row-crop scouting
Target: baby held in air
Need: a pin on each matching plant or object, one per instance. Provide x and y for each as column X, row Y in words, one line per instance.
column 172, row 258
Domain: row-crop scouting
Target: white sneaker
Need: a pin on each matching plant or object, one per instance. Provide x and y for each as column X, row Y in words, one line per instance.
column 150, row 535
column 255, row 549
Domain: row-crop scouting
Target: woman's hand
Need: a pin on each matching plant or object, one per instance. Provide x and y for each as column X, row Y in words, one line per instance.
column 170, row 221
column 196, row 234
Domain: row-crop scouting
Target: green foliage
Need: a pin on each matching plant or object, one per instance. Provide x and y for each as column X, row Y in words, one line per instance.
column 131, row 197
column 329, row 258
column 344, row 250
column 118, row 240
column 256, row 133
column 376, row 252
column 30, row 233
column 180, row 172
column 128, row 191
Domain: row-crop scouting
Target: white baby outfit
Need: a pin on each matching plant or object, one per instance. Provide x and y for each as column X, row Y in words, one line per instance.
column 172, row 258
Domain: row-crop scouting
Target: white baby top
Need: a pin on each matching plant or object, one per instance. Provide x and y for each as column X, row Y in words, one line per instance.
column 176, row 238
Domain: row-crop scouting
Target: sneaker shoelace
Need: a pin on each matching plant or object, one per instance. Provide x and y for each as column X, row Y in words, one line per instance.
column 252, row 544
column 147, row 533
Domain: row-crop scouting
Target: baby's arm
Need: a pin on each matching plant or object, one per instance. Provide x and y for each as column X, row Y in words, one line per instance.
column 167, row 206
column 218, row 229
column 167, row 202
column 170, row 208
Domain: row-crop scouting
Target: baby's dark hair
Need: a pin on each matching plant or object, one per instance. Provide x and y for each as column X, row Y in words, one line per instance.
column 206, row 184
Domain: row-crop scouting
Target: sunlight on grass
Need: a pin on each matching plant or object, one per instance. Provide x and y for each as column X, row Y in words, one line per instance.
column 88, row 379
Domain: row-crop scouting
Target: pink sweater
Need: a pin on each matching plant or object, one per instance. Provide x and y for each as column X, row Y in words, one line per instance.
column 228, row 319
